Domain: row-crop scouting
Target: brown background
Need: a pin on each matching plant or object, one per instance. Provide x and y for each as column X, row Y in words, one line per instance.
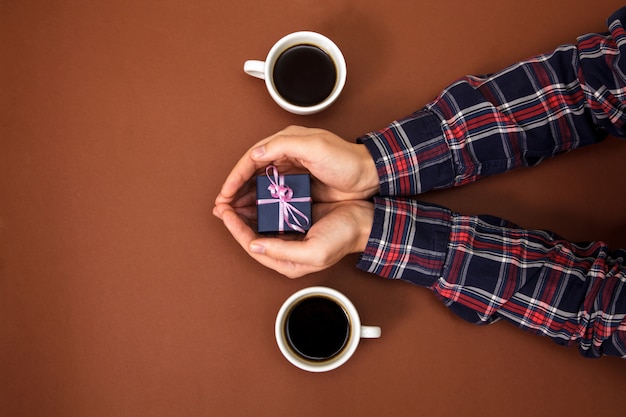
column 121, row 295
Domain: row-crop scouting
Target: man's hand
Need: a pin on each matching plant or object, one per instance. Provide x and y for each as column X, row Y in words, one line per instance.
column 341, row 170
column 338, row 230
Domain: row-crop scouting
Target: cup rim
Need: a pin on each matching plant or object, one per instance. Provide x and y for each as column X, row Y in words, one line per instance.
column 351, row 345
column 320, row 40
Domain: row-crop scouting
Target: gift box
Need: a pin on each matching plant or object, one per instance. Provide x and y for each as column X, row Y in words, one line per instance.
column 283, row 202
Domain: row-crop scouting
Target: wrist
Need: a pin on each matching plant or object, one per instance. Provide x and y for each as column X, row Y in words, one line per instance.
column 370, row 181
column 364, row 220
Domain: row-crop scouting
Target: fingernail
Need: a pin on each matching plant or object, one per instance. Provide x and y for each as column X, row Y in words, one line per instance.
column 258, row 152
column 256, row 248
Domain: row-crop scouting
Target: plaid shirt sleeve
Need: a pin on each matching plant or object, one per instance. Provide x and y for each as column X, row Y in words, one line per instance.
column 484, row 268
column 535, row 109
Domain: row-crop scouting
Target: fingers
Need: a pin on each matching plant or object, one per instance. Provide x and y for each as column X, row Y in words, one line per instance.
column 297, row 252
column 292, row 258
column 285, row 145
column 293, row 255
column 244, row 235
column 293, row 143
column 245, row 198
column 241, row 173
column 247, row 201
column 341, row 170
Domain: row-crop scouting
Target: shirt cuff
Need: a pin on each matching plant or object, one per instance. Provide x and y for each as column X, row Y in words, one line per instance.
column 411, row 155
column 409, row 241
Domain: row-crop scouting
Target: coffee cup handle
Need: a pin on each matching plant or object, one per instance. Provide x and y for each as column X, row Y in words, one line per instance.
column 370, row 332
column 255, row 68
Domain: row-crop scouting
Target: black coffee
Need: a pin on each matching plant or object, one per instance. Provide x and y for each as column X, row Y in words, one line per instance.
column 304, row 75
column 317, row 328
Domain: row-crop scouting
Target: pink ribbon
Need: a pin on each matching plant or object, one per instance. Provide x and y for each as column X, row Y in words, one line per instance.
column 283, row 195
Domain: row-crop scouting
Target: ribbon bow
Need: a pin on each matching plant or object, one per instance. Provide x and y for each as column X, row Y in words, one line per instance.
column 283, row 195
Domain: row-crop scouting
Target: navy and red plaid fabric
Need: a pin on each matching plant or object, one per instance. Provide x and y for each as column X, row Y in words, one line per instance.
column 482, row 267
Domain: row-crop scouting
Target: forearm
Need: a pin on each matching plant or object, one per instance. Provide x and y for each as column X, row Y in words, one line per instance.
column 485, row 269
column 481, row 126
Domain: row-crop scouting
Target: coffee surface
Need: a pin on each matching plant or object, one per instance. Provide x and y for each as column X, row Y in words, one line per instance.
column 304, row 75
column 317, row 328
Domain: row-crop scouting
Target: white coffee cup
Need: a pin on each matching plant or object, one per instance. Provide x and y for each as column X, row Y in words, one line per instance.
column 301, row 104
column 309, row 316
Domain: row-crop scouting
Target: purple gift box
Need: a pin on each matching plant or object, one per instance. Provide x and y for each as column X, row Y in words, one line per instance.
column 283, row 202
